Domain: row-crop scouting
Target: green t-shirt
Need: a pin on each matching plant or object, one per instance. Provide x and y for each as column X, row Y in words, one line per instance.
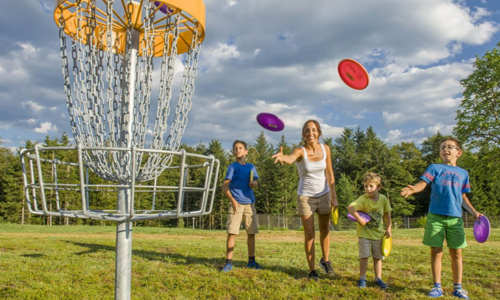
column 375, row 229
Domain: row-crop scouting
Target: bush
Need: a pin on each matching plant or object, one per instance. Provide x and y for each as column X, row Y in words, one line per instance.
column 422, row 221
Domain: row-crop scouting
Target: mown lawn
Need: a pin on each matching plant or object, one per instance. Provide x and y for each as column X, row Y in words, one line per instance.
column 77, row 262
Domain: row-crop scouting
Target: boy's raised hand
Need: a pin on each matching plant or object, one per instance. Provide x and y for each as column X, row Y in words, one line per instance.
column 278, row 156
column 413, row 189
column 407, row 191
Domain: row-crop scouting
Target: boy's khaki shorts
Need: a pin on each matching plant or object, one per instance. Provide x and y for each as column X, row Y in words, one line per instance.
column 306, row 206
column 246, row 212
column 367, row 246
column 438, row 228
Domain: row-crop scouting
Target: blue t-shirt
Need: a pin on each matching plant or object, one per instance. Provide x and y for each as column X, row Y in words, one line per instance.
column 448, row 183
column 240, row 180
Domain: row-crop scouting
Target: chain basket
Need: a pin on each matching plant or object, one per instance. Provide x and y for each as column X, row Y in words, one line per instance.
column 108, row 50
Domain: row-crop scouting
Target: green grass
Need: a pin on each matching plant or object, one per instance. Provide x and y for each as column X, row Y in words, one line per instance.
column 77, row 262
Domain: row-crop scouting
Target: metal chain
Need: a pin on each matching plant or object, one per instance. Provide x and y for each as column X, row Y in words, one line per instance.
column 98, row 97
column 157, row 162
column 187, row 90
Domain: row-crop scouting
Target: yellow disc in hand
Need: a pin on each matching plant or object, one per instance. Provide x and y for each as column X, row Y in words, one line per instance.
column 386, row 246
column 335, row 216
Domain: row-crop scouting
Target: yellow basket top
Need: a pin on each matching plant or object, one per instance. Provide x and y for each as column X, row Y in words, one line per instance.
column 192, row 20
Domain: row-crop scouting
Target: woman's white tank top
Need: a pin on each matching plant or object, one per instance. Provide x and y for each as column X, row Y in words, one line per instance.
column 312, row 175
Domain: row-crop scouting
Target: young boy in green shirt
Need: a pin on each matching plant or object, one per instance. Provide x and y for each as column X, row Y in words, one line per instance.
column 370, row 234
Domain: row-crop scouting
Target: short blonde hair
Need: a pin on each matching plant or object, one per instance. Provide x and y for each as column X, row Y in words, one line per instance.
column 372, row 177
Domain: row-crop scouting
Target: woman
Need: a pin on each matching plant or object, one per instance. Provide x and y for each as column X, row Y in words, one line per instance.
column 316, row 192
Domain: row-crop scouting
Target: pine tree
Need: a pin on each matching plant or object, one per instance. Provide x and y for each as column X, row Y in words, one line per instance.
column 221, row 204
column 261, row 154
column 284, row 190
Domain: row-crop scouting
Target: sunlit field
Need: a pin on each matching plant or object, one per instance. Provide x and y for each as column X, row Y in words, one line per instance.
column 77, row 262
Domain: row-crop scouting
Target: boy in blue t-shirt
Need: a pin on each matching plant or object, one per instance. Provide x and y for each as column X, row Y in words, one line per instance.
column 449, row 185
column 241, row 178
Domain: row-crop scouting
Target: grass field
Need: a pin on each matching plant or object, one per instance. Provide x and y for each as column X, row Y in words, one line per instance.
column 77, row 262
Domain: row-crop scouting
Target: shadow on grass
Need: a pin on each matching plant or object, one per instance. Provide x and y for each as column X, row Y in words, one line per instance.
column 33, row 255
column 176, row 258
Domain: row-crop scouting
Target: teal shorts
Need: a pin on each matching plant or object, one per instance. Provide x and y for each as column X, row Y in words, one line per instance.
column 439, row 227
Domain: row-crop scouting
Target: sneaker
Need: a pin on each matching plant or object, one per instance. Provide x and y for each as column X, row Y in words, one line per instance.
column 313, row 275
column 436, row 292
column 381, row 284
column 254, row 265
column 462, row 294
column 362, row 283
column 227, row 268
column 326, row 266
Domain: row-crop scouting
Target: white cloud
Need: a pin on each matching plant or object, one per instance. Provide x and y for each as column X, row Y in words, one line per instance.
column 28, row 50
column 331, row 131
column 441, row 128
column 215, row 57
column 393, row 136
column 480, row 13
column 32, row 105
column 393, row 118
column 45, row 127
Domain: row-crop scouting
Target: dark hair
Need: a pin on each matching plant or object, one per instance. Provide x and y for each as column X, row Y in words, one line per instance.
column 317, row 126
column 240, row 142
column 449, row 138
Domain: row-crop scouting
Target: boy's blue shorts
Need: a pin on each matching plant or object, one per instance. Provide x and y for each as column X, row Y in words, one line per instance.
column 439, row 227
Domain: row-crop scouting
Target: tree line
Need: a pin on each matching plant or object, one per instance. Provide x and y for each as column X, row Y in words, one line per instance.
column 354, row 153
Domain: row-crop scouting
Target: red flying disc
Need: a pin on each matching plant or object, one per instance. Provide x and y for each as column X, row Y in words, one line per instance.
column 353, row 74
column 363, row 216
column 270, row 122
column 481, row 229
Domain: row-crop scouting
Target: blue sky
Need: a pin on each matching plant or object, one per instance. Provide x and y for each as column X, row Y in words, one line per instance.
column 278, row 56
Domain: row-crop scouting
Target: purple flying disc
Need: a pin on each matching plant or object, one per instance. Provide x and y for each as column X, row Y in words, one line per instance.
column 270, row 122
column 164, row 8
column 363, row 215
column 481, row 229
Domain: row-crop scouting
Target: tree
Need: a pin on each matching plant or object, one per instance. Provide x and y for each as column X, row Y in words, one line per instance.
column 345, row 153
column 412, row 161
column 484, row 176
column 286, row 180
column 260, row 155
column 221, row 204
column 478, row 119
column 430, row 148
column 346, row 194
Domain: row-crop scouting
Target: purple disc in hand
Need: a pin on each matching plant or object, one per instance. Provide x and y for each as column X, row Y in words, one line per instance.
column 481, row 229
column 270, row 122
column 363, row 215
column 164, row 8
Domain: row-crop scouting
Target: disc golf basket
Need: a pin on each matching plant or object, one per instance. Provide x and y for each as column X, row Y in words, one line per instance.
column 109, row 49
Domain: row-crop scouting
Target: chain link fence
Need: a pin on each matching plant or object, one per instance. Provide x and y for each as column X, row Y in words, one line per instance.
column 293, row 222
